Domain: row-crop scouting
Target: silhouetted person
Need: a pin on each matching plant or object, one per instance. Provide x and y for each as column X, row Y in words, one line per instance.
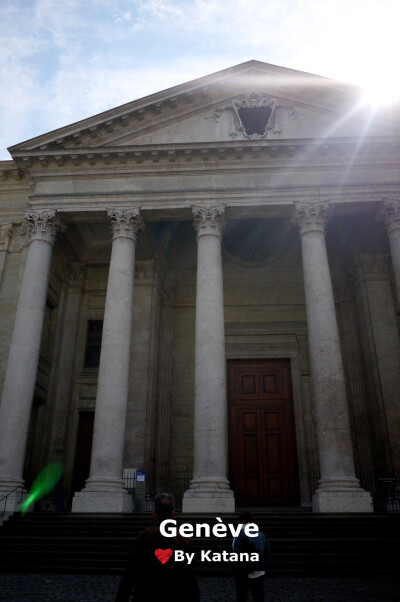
column 146, row 576
column 250, row 576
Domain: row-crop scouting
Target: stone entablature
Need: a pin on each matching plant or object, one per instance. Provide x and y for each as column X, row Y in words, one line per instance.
column 9, row 172
column 329, row 151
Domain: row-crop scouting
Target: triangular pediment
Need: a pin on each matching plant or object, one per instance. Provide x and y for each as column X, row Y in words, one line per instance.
column 291, row 105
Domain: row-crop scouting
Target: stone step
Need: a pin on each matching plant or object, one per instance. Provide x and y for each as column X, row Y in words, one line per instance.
column 301, row 543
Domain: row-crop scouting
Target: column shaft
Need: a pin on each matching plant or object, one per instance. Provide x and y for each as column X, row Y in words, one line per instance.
column 104, row 491
column 23, row 358
column 338, row 488
column 209, row 489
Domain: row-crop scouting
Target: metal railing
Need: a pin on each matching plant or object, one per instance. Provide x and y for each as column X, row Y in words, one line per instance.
column 129, row 478
column 385, row 491
column 176, row 485
column 5, row 498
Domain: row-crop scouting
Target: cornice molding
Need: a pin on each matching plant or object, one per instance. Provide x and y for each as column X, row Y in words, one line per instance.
column 116, row 120
column 326, row 93
column 11, row 172
column 334, row 150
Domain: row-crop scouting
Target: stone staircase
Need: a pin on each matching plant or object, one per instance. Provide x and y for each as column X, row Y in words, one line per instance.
column 302, row 543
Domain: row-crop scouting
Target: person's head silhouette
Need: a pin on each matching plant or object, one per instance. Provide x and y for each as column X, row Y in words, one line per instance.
column 164, row 507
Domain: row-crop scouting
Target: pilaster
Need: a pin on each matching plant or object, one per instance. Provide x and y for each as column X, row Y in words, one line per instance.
column 5, row 237
column 360, row 420
column 165, row 388
column 389, row 214
column 374, row 271
column 62, row 380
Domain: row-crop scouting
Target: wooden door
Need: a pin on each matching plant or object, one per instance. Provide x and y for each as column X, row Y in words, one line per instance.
column 83, row 450
column 262, row 443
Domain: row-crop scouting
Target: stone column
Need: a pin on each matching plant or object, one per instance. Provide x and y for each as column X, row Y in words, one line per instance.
column 338, row 488
column 390, row 216
column 209, row 489
column 104, row 490
column 23, row 358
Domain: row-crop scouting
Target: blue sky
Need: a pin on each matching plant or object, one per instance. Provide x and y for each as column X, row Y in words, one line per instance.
column 65, row 60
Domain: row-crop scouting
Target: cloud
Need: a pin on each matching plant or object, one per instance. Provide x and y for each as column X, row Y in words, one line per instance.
column 64, row 61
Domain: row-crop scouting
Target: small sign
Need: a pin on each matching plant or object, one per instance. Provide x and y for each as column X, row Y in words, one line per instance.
column 141, row 476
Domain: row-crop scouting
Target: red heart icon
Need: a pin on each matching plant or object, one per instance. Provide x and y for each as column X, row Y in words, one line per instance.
column 163, row 555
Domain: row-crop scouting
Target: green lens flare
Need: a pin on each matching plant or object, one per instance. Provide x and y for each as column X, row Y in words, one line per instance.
column 44, row 483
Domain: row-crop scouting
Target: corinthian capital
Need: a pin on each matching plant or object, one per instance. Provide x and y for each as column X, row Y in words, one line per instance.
column 5, row 235
column 43, row 224
column 389, row 214
column 125, row 223
column 310, row 217
column 75, row 274
column 208, row 220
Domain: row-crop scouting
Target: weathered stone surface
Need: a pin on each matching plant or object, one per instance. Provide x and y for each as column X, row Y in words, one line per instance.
column 209, row 484
column 167, row 153
column 23, row 358
column 106, row 466
column 332, row 419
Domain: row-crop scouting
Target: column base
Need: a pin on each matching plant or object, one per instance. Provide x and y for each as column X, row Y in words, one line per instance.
column 208, row 494
column 341, row 496
column 102, row 501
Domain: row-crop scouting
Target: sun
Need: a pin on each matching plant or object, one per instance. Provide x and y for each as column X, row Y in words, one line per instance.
column 382, row 90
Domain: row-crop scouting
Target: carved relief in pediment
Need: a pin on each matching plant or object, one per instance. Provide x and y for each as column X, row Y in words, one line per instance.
column 254, row 115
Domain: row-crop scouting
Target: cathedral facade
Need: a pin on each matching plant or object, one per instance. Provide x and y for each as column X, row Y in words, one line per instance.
column 204, row 285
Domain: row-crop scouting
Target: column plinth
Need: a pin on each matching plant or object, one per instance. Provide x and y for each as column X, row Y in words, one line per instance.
column 23, row 357
column 104, row 490
column 338, row 489
column 209, row 489
column 390, row 216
